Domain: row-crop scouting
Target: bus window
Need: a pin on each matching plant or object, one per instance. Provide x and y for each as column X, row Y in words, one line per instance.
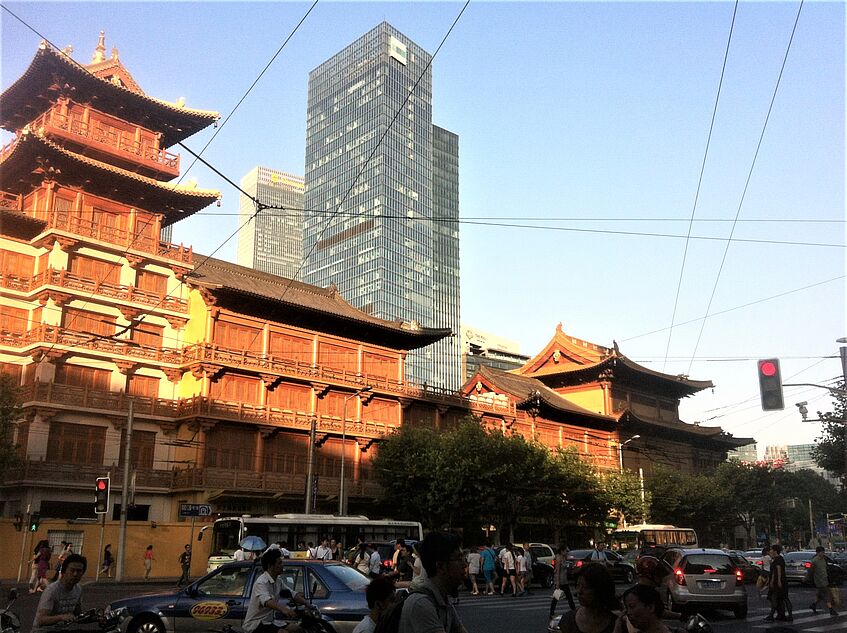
column 225, row 538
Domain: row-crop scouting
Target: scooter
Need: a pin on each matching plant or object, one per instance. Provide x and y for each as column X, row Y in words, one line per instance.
column 92, row 621
column 10, row 622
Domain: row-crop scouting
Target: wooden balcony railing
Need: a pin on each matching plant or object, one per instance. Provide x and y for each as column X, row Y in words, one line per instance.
column 108, row 402
column 54, row 335
column 139, row 242
column 32, row 471
column 102, row 136
column 249, row 481
column 10, row 200
column 71, row 281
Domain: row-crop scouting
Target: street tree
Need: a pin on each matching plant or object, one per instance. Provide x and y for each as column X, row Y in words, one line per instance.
column 830, row 452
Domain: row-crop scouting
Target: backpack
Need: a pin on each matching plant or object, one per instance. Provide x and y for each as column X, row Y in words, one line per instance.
column 389, row 622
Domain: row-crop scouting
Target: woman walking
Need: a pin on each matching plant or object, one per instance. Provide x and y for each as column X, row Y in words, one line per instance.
column 40, row 566
column 148, row 561
column 560, row 581
column 107, row 561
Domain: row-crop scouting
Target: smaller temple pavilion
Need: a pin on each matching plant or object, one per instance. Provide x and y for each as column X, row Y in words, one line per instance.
column 579, row 394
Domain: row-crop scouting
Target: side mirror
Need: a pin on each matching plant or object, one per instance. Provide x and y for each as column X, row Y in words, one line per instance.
column 13, row 594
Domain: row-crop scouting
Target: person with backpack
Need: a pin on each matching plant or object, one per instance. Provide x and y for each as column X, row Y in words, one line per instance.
column 427, row 608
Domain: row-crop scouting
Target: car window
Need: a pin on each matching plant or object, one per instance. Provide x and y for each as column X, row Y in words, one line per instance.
column 228, row 582
column 612, row 556
column 317, row 588
column 540, row 551
column 713, row 563
column 293, row 578
column 351, row 578
column 595, row 555
column 579, row 553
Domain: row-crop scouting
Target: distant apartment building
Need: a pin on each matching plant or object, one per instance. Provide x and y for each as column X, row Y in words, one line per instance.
column 381, row 193
column 797, row 457
column 272, row 241
column 483, row 348
column 749, row 453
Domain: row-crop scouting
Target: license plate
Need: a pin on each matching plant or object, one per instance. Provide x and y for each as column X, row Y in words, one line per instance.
column 710, row 585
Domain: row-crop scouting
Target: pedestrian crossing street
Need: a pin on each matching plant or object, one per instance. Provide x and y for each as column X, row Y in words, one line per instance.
column 535, row 606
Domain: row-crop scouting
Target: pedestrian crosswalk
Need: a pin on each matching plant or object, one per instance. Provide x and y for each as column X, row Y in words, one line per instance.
column 532, row 602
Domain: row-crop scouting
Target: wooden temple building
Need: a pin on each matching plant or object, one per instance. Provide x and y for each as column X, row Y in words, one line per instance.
column 227, row 368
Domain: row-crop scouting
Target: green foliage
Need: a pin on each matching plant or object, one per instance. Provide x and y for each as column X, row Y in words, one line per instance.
column 9, row 412
column 829, row 452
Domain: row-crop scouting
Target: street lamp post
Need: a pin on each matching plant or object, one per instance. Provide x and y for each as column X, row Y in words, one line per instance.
column 341, row 491
column 620, row 449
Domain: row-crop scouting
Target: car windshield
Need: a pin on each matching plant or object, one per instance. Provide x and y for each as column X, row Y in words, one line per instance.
column 580, row 553
column 349, row 577
column 708, row 563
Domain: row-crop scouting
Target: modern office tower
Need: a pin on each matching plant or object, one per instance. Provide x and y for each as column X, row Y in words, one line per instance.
column 273, row 241
column 484, row 348
column 379, row 177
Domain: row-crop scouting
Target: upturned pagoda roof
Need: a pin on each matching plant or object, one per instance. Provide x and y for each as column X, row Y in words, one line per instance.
column 248, row 291
column 53, row 73
column 529, row 392
column 665, row 428
column 567, row 359
column 31, row 157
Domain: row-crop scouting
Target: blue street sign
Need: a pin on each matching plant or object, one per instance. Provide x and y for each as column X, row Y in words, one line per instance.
column 195, row 510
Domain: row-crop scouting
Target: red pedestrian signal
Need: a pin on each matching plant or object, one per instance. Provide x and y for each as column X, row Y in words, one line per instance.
column 770, row 385
column 101, row 496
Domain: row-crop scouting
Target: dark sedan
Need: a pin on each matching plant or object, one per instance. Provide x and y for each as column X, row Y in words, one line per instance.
column 797, row 565
column 748, row 569
column 620, row 569
column 222, row 596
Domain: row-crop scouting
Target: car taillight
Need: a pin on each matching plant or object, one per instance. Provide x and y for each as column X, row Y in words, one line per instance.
column 578, row 563
column 553, row 563
column 679, row 576
column 760, row 563
column 710, row 570
column 739, row 576
column 807, row 564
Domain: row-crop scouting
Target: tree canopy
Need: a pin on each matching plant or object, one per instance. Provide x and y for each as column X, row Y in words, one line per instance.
column 9, row 412
column 830, row 450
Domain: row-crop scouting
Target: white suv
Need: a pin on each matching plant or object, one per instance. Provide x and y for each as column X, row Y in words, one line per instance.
column 542, row 552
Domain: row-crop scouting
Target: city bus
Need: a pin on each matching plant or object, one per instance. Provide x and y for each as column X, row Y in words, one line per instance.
column 291, row 529
column 636, row 538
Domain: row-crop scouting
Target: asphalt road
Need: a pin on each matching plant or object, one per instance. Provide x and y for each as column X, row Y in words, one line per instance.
column 496, row 614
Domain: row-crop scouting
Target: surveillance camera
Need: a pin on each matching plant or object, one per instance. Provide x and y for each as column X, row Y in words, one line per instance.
column 801, row 404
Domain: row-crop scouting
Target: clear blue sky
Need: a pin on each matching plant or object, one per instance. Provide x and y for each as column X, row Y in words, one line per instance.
column 569, row 115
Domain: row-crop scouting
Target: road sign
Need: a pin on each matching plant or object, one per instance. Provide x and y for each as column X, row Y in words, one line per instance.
column 195, row 510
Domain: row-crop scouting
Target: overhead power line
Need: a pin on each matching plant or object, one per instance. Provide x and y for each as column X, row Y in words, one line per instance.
column 747, row 183
column 699, row 184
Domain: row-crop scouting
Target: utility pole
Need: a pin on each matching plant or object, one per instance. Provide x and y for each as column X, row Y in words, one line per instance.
column 310, row 470
column 119, row 571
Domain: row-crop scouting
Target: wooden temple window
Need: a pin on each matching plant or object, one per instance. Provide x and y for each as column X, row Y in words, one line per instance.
column 63, row 205
column 14, row 320
column 142, row 449
column 378, row 365
column 96, row 269
column 292, row 347
column 380, row 411
column 333, row 404
column 238, row 337
column 230, row 447
column 76, row 444
column 146, row 386
column 235, row 388
column 152, row 282
column 81, row 376
column 290, row 397
column 148, row 334
column 89, row 322
column 287, row 454
column 16, row 264
column 338, row 357
column 12, row 369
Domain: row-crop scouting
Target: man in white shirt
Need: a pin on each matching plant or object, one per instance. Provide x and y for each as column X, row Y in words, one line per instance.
column 380, row 595
column 324, row 550
column 374, row 562
column 269, row 596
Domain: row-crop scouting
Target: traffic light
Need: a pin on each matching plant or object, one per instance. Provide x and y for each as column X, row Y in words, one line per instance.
column 34, row 521
column 101, row 496
column 770, row 384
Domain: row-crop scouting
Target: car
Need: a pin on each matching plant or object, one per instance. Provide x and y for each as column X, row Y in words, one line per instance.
column 620, row 569
column 705, row 578
column 542, row 552
column 798, row 563
column 840, row 559
column 222, row 596
column 749, row 571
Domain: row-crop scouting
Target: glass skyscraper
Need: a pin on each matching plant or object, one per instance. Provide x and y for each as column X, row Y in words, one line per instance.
column 381, row 188
column 273, row 241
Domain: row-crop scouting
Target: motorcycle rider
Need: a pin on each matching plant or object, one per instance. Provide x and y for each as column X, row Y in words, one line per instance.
column 62, row 600
column 269, row 596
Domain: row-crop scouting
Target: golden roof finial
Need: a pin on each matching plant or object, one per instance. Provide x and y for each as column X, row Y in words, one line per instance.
column 100, row 51
column 115, row 54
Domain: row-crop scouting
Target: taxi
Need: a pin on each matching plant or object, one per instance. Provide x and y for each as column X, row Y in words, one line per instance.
column 222, row 596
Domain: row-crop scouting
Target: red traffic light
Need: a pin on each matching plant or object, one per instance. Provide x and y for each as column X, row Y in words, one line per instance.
column 101, row 484
column 768, row 368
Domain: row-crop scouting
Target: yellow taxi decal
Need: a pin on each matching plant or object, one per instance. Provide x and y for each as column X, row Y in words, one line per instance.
column 209, row 610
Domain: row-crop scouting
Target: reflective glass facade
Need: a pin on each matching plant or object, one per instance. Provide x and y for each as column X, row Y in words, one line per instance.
column 273, row 241
column 381, row 246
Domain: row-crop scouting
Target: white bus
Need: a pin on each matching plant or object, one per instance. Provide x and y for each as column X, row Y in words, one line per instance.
column 292, row 529
column 637, row 537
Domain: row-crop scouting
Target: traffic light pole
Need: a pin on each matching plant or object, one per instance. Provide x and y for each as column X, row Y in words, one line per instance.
column 24, row 532
column 119, row 571
column 100, row 549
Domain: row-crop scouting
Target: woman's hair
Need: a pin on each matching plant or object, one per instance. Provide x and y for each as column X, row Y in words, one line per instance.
column 647, row 596
column 600, row 581
column 149, row 547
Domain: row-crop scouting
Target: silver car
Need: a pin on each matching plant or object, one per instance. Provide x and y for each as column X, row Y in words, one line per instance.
column 705, row 578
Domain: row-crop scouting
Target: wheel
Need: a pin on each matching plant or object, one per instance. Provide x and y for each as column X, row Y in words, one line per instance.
column 740, row 612
column 547, row 581
column 629, row 577
column 146, row 624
